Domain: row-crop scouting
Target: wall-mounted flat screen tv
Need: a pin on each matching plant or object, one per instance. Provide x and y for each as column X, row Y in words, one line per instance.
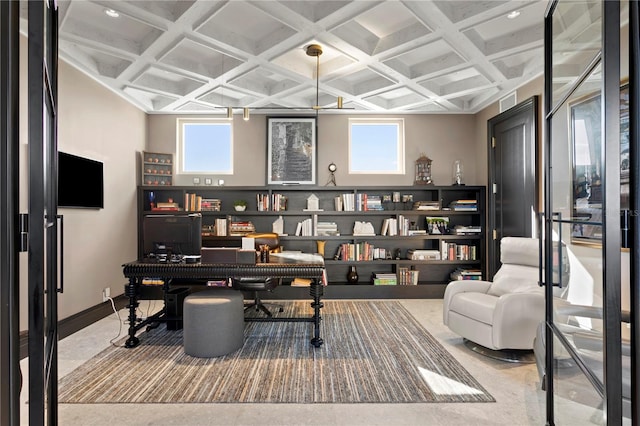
column 80, row 182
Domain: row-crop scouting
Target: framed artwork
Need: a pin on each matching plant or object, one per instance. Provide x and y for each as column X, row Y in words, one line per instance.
column 586, row 134
column 291, row 150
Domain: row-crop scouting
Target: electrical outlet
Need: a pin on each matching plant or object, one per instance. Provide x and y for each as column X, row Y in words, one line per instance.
column 106, row 294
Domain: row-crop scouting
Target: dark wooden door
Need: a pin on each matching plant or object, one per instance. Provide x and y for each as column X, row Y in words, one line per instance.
column 513, row 187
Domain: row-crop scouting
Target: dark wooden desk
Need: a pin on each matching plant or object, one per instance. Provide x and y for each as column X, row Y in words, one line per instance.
column 277, row 268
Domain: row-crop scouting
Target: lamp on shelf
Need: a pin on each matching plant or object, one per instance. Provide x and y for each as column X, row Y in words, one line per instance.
column 458, row 172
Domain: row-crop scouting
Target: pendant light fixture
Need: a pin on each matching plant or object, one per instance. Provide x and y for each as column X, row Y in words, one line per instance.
column 313, row 50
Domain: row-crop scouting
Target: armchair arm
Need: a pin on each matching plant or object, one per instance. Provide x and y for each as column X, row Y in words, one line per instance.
column 461, row 286
column 516, row 318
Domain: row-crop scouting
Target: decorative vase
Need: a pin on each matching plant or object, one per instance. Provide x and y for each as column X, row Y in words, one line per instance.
column 240, row 208
column 352, row 275
column 320, row 245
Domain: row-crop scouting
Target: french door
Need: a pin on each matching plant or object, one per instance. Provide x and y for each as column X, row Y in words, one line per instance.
column 44, row 224
column 591, row 173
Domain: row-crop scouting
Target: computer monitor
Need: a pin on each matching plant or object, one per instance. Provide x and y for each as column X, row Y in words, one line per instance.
column 175, row 234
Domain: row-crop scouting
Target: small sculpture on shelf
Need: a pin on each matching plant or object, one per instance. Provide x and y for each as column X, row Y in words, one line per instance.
column 423, row 171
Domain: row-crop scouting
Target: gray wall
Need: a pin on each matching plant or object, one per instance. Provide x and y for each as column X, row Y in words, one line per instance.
column 443, row 138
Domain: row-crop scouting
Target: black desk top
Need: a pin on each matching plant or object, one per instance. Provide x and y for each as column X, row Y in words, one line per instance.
column 309, row 266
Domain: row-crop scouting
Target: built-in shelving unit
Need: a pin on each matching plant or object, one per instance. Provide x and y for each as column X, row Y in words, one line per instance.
column 395, row 250
column 157, row 169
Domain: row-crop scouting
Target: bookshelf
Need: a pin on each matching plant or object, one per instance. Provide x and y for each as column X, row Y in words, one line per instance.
column 157, row 169
column 387, row 226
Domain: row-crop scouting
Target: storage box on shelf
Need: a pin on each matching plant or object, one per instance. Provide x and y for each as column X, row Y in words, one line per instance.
column 157, row 169
column 377, row 230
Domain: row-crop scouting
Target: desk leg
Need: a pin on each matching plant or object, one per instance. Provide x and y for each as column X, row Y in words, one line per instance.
column 130, row 290
column 316, row 291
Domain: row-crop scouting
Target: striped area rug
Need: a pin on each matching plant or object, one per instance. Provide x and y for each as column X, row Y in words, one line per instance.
column 374, row 352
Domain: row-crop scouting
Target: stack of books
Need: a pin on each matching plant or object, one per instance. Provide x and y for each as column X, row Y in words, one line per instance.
column 241, row 228
column 166, row 207
column 327, row 228
column 220, row 228
column 467, row 230
column 464, row 205
column 466, row 274
column 210, row 205
column 383, row 278
column 426, row 205
column 301, row 282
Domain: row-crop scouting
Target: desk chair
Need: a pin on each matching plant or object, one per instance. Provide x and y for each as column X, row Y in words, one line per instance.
column 258, row 284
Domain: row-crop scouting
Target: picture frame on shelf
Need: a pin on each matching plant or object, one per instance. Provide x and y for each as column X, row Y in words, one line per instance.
column 585, row 138
column 291, row 150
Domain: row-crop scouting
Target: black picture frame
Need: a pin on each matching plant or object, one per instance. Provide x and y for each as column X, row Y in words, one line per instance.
column 291, row 150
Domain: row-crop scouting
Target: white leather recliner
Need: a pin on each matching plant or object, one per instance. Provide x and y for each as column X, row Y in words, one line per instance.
column 505, row 313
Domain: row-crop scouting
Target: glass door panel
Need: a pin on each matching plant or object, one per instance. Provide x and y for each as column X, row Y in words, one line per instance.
column 577, row 41
column 577, row 176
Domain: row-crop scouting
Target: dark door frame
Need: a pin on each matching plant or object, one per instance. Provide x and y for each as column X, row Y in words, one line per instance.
column 493, row 235
column 43, row 206
column 9, row 190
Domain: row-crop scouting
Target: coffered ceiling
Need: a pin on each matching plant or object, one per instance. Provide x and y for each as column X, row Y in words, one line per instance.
column 197, row 56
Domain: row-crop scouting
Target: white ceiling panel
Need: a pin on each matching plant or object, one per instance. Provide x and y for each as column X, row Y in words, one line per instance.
column 168, row 56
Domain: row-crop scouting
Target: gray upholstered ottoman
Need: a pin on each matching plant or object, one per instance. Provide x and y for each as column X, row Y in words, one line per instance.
column 213, row 323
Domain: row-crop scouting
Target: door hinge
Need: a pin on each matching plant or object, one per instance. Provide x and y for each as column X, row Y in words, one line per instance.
column 495, row 234
column 493, row 141
column 495, row 188
column 23, row 219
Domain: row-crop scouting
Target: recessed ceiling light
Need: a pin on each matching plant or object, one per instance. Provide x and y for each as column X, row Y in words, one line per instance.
column 112, row 13
column 514, row 14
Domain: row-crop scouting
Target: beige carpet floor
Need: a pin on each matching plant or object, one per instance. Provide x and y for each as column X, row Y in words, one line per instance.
column 374, row 352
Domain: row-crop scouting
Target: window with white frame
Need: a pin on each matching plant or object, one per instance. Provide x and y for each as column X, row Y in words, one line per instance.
column 376, row 146
column 205, row 146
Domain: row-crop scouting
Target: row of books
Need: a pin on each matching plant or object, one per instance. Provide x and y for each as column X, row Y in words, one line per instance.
column 404, row 276
column 396, row 226
column 223, row 227
column 358, row 202
column 455, row 251
column 274, row 202
column 465, row 274
column 360, row 251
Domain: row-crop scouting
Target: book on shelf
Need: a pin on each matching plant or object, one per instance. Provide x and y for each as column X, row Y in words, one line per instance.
column 464, row 205
column 210, row 205
column 466, row 274
column 360, row 252
column 301, row 282
column 455, row 251
column 327, row 229
column 423, row 254
column 384, row 278
column 426, row 205
column 192, row 202
column 467, row 230
column 274, row 202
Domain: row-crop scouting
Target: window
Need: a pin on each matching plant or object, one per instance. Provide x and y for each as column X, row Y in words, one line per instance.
column 205, row 146
column 376, row 146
